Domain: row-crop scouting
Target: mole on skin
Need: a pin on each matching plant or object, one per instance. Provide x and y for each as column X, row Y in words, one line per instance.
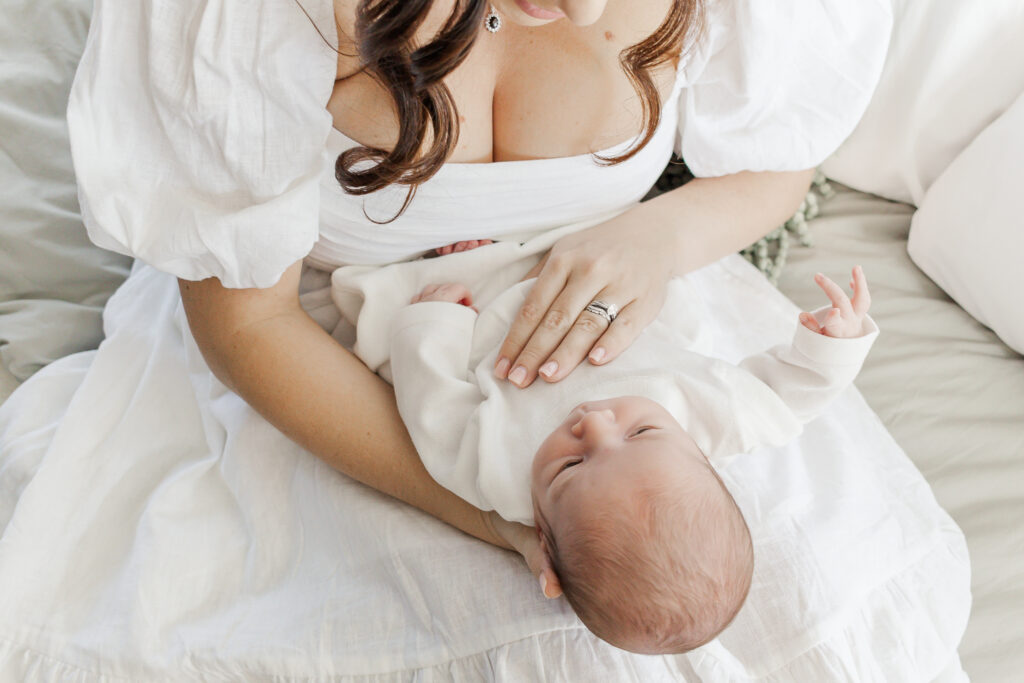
column 608, row 35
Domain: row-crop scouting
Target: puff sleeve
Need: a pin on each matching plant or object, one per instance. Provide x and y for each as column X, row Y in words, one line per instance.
column 198, row 132
column 777, row 86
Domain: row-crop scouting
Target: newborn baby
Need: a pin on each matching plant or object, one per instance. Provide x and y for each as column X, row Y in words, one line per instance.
column 612, row 463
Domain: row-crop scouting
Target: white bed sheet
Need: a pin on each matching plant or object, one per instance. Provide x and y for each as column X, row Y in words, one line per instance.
column 952, row 395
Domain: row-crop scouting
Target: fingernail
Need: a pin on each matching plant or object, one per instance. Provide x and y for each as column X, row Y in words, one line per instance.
column 544, row 585
column 501, row 369
column 597, row 354
column 518, row 375
column 549, row 369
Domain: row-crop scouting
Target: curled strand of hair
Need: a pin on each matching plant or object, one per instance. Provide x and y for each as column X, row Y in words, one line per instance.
column 435, row 60
column 414, row 75
column 381, row 24
column 321, row 33
column 682, row 23
column 415, row 83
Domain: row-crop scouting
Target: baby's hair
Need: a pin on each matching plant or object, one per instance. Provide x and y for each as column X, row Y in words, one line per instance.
column 641, row 580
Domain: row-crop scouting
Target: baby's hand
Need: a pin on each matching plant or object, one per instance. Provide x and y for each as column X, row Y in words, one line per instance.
column 846, row 319
column 465, row 245
column 451, row 292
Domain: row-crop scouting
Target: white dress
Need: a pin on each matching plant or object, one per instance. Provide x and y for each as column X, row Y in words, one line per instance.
column 152, row 526
column 478, row 436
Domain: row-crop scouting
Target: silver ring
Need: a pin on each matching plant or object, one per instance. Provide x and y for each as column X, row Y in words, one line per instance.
column 606, row 310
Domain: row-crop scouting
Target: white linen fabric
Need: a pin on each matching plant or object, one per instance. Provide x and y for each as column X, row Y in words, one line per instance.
column 153, row 526
column 776, row 86
column 478, row 436
column 953, row 67
column 968, row 233
column 156, row 526
column 197, row 128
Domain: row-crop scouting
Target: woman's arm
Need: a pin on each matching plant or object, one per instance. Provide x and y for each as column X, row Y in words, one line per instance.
column 262, row 345
column 629, row 260
column 710, row 218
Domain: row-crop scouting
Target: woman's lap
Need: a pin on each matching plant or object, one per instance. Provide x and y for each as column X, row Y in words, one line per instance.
column 154, row 517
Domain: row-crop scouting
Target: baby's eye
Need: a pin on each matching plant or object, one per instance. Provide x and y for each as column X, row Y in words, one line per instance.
column 567, row 465
column 641, row 430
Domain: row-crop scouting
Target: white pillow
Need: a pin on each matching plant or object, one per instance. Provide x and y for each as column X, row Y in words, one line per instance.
column 953, row 67
column 968, row 234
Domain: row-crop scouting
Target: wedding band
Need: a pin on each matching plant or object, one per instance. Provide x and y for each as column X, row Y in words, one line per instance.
column 607, row 311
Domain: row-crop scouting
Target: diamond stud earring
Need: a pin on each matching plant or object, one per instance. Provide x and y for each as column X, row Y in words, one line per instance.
column 493, row 21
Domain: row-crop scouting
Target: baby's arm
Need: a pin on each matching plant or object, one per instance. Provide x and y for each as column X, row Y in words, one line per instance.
column 827, row 352
column 431, row 340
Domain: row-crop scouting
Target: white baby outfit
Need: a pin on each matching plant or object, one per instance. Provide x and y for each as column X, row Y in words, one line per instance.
column 153, row 526
column 477, row 436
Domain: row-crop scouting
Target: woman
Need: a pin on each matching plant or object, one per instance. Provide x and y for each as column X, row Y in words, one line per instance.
column 508, row 90
column 627, row 261
column 198, row 135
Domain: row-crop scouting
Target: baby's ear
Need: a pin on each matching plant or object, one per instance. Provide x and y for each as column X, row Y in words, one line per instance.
column 549, row 583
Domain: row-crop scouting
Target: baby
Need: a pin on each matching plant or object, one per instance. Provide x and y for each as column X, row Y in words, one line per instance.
column 612, row 463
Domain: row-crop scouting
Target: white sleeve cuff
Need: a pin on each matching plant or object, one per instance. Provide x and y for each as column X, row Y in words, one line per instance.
column 830, row 350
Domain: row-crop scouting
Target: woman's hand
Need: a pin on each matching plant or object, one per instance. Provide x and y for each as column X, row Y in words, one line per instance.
column 524, row 540
column 623, row 262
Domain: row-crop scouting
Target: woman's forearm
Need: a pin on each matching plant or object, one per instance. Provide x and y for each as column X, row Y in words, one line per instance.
column 322, row 397
column 708, row 218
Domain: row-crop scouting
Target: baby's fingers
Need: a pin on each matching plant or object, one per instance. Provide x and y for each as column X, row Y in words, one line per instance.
column 833, row 325
column 836, row 295
column 426, row 291
column 808, row 321
column 861, row 296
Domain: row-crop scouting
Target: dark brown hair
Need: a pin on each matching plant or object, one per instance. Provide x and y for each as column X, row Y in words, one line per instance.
column 414, row 79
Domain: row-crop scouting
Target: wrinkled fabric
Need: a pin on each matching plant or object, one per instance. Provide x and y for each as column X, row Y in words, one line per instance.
column 778, row 86
column 197, row 133
column 198, row 150
column 152, row 524
column 477, row 436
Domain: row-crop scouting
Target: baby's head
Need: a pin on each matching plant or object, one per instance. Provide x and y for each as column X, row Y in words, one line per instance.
column 646, row 542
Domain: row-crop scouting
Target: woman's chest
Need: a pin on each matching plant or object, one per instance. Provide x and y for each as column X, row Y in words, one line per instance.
column 523, row 93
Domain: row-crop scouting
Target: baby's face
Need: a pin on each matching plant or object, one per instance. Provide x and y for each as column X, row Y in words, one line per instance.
column 605, row 449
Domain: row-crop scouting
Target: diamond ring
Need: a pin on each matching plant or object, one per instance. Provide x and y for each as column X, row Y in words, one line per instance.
column 607, row 311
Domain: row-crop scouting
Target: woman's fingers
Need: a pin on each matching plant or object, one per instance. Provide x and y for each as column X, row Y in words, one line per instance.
column 564, row 314
column 835, row 294
column 620, row 334
column 535, row 271
column 592, row 336
column 531, row 314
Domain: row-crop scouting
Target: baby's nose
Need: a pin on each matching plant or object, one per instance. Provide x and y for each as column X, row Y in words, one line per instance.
column 594, row 423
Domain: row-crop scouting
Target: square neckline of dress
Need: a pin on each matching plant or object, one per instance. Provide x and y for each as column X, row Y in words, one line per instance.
column 349, row 143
